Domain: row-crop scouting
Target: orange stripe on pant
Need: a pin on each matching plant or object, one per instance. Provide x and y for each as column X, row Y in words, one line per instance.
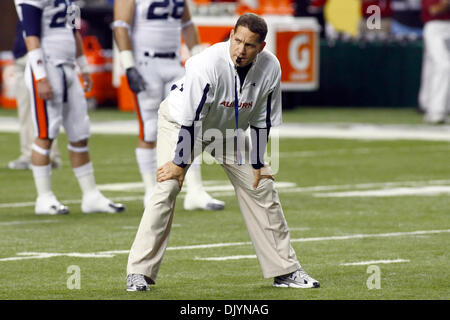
column 40, row 109
column 138, row 112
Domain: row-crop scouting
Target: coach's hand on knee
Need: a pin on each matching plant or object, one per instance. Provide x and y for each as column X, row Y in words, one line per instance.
column 135, row 80
column 169, row 171
column 44, row 89
column 258, row 177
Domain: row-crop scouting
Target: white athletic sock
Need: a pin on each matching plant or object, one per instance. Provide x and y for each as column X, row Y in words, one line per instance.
column 86, row 178
column 193, row 177
column 146, row 159
column 42, row 179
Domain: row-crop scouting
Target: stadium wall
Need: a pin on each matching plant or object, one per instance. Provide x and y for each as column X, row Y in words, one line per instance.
column 372, row 74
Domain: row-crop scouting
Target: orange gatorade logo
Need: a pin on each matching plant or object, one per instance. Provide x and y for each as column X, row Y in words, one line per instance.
column 297, row 53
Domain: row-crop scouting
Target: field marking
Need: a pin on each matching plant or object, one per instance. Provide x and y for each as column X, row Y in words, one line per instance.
column 353, row 131
column 363, row 151
column 13, row 223
column 252, row 256
column 174, row 225
column 239, row 257
column 225, row 190
column 110, row 254
column 395, row 192
column 362, row 263
column 211, row 186
column 362, row 131
column 46, row 255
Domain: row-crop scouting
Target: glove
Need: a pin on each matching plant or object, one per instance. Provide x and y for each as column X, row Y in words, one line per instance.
column 135, row 80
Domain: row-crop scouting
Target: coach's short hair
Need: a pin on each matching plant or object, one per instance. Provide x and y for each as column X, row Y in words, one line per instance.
column 254, row 23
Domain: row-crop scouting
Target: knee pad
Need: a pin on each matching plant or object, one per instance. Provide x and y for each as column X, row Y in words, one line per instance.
column 78, row 149
column 42, row 151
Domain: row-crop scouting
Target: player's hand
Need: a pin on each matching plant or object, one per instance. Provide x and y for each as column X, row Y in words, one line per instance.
column 169, row 171
column 258, row 175
column 135, row 80
column 87, row 81
column 44, row 89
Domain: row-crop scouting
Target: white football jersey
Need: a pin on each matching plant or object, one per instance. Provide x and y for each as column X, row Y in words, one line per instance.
column 157, row 25
column 57, row 39
column 207, row 92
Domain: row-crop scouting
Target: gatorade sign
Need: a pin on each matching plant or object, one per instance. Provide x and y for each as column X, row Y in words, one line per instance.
column 294, row 40
column 298, row 54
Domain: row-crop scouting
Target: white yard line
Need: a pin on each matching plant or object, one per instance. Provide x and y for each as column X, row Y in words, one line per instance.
column 396, row 192
column 252, row 256
column 225, row 189
column 375, row 235
column 14, row 223
column 174, row 225
column 46, row 255
column 110, row 254
column 239, row 257
column 363, row 151
column 362, row 263
column 358, row 131
column 218, row 186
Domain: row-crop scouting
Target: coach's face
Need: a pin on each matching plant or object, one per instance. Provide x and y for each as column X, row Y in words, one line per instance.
column 244, row 46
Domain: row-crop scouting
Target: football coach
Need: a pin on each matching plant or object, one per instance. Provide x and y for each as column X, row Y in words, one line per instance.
column 227, row 88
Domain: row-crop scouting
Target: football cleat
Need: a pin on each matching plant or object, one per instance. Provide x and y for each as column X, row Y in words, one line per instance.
column 48, row 204
column 195, row 200
column 435, row 119
column 296, row 279
column 19, row 164
column 136, row 282
column 96, row 202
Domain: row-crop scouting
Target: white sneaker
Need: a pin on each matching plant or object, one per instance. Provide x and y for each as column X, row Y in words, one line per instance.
column 435, row 119
column 201, row 200
column 48, row 204
column 297, row 279
column 136, row 282
column 96, row 202
column 20, row 164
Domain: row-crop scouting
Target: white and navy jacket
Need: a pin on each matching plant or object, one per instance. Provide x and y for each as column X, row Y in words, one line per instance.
column 211, row 88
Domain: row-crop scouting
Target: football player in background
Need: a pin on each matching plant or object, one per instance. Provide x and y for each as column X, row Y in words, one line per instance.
column 26, row 131
column 54, row 49
column 434, row 94
column 148, row 34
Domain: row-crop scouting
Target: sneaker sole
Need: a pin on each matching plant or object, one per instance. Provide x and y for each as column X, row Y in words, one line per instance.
column 57, row 213
column 133, row 289
column 115, row 209
column 209, row 207
column 51, row 213
column 292, row 285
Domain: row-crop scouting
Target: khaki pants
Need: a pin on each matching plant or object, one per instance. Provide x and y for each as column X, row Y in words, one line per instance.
column 261, row 209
